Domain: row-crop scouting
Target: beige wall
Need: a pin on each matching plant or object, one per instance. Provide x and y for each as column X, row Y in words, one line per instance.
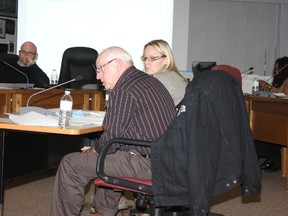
column 241, row 33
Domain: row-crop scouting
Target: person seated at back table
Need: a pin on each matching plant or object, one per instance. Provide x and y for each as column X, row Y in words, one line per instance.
column 159, row 62
column 280, row 81
column 26, row 64
column 271, row 152
column 139, row 107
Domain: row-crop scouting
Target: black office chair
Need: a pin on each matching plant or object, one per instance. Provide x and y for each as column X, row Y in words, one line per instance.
column 79, row 61
column 9, row 57
column 142, row 188
column 7, row 73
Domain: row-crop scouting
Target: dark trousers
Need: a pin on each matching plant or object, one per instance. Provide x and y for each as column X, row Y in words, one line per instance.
column 76, row 170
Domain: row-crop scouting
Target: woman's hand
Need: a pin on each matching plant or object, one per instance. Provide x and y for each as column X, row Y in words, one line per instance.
column 264, row 86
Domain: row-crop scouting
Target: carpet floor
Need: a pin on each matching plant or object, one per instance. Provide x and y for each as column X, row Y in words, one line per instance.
column 32, row 197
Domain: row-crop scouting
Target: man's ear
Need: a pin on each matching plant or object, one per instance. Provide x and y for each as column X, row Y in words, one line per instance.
column 119, row 63
column 36, row 57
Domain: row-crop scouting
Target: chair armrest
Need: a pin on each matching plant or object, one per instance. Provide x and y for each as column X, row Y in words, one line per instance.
column 122, row 181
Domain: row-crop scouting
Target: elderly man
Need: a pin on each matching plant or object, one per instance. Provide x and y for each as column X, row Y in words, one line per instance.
column 139, row 107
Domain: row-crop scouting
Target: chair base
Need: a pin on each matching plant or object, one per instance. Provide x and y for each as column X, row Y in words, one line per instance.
column 213, row 214
column 175, row 211
column 145, row 205
column 167, row 212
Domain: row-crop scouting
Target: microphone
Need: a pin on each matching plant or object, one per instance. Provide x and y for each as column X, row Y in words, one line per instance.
column 251, row 72
column 26, row 109
column 251, row 68
column 274, row 76
column 27, row 79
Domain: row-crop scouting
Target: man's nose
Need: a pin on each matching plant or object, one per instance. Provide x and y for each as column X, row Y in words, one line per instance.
column 98, row 76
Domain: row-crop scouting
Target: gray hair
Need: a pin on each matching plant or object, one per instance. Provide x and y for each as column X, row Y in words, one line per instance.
column 118, row 52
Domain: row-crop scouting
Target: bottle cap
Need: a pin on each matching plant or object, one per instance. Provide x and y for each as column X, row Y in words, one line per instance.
column 67, row 92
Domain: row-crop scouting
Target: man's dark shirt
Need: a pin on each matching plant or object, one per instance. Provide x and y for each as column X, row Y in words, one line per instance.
column 139, row 107
column 34, row 73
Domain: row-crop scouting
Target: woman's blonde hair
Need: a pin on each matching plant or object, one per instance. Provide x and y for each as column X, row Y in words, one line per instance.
column 164, row 49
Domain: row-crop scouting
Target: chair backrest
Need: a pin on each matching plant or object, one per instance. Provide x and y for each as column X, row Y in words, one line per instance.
column 8, row 74
column 235, row 72
column 9, row 57
column 79, row 61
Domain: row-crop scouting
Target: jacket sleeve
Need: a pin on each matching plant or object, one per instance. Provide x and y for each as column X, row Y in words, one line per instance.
column 40, row 78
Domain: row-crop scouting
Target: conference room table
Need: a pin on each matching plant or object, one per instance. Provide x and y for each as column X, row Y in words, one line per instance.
column 12, row 99
column 7, row 127
column 268, row 118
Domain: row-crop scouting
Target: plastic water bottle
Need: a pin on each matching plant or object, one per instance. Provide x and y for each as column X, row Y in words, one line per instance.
column 54, row 77
column 255, row 85
column 65, row 111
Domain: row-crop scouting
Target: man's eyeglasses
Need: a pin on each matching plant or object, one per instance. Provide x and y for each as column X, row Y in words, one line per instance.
column 152, row 58
column 27, row 52
column 100, row 68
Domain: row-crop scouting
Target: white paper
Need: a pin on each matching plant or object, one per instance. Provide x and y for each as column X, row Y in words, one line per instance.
column 36, row 119
column 87, row 119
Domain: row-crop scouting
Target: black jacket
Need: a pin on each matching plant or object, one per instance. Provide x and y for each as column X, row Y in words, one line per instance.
column 208, row 148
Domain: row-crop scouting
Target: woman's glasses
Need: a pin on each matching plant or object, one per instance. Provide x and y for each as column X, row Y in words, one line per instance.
column 152, row 58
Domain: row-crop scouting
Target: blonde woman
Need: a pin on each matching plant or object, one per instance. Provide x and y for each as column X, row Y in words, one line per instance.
column 159, row 62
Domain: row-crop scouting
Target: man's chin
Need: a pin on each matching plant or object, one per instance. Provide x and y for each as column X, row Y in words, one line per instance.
column 22, row 64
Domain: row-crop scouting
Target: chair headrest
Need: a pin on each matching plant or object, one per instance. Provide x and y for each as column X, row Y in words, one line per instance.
column 235, row 72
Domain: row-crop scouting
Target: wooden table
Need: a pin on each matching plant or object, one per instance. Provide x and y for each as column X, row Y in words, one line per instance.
column 269, row 123
column 4, row 127
column 12, row 99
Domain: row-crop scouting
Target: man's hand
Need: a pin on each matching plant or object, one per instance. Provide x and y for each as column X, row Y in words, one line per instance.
column 27, row 62
column 85, row 148
column 88, row 149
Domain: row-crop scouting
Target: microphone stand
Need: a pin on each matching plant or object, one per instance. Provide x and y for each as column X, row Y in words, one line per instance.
column 40, row 110
column 245, row 71
column 27, row 103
